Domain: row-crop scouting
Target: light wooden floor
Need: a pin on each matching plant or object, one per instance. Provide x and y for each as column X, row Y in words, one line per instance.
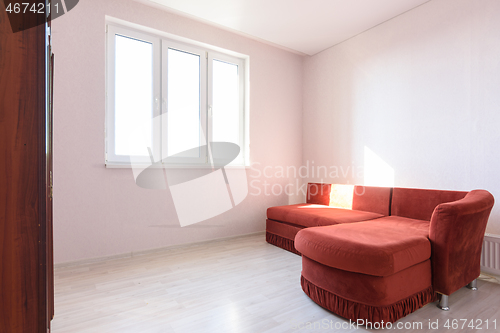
column 236, row 285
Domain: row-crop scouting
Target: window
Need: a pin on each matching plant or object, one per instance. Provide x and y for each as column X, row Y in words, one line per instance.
column 167, row 100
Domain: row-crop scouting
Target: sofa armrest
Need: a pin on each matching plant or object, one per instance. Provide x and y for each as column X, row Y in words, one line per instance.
column 456, row 233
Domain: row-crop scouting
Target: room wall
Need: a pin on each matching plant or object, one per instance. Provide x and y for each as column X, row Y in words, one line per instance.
column 101, row 212
column 413, row 102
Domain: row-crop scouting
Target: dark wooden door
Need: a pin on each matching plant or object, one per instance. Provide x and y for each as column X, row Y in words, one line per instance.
column 26, row 264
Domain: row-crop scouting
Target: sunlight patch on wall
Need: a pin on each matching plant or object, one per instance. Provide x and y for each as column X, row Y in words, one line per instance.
column 376, row 171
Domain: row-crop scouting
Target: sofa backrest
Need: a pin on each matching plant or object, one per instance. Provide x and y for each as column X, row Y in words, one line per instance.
column 372, row 199
column 318, row 193
column 365, row 198
column 420, row 203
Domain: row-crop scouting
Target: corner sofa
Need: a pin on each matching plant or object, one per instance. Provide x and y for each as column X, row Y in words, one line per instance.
column 377, row 254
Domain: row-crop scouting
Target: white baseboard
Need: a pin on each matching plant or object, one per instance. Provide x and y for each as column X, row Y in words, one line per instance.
column 144, row 252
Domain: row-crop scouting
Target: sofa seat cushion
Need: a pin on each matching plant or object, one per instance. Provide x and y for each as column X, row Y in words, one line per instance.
column 371, row 247
column 311, row 215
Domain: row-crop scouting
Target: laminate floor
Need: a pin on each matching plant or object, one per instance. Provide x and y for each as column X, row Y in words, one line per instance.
column 235, row 285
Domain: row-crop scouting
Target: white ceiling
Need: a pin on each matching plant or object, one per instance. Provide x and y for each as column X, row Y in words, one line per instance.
column 305, row 26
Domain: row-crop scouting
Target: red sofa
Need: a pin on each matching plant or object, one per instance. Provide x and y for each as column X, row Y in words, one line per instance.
column 377, row 254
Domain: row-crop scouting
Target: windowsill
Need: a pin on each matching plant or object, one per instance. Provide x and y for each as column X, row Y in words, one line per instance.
column 116, row 165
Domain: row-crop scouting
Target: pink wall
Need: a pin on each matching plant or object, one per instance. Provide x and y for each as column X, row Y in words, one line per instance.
column 101, row 212
column 420, row 92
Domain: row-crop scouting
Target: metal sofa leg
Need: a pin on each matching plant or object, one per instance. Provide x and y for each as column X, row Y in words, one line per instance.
column 443, row 303
column 472, row 285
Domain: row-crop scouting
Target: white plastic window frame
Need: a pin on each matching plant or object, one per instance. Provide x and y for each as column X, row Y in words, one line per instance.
column 111, row 157
column 212, row 55
column 160, row 84
column 202, row 159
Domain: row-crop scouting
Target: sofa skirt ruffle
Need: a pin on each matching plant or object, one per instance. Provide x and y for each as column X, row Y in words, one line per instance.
column 284, row 243
column 369, row 314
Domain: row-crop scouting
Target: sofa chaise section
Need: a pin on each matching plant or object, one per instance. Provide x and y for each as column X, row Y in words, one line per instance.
column 363, row 271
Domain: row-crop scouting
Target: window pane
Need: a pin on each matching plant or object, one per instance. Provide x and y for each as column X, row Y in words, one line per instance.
column 133, row 96
column 226, row 116
column 183, row 101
